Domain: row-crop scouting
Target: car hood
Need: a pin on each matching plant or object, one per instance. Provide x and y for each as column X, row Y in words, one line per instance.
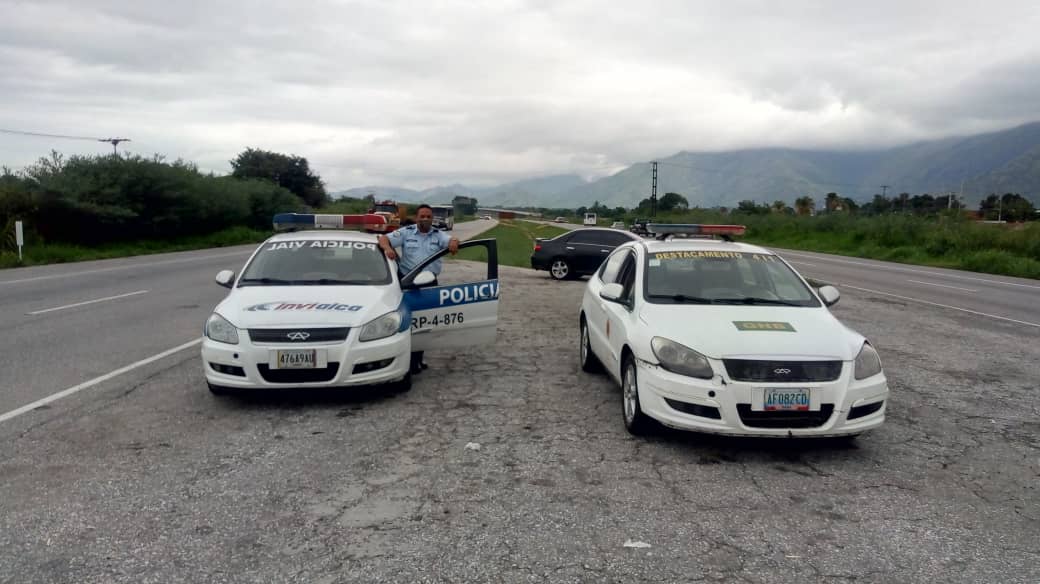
column 277, row 306
column 755, row 332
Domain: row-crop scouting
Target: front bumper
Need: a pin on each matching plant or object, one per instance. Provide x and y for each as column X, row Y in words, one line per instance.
column 247, row 365
column 721, row 406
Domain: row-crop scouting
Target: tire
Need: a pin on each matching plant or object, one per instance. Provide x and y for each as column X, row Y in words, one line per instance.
column 559, row 269
column 636, row 422
column 219, row 389
column 402, row 386
column 589, row 362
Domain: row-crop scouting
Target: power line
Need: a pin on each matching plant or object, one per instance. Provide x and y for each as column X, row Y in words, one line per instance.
column 43, row 135
column 113, row 141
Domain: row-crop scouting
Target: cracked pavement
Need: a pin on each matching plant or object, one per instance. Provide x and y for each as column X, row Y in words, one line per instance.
column 149, row 478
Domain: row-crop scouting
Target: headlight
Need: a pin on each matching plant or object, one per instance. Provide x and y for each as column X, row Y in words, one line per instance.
column 382, row 327
column 219, row 329
column 868, row 363
column 681, row 359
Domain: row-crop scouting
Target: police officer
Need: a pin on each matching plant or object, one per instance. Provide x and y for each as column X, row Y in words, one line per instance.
column 418, row 242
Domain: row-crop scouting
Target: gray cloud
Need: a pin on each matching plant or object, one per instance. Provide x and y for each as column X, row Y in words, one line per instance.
column 418, row 94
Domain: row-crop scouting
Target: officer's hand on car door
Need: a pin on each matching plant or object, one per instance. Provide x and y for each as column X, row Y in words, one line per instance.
column 453, row 246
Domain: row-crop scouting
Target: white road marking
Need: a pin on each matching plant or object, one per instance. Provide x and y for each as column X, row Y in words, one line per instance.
column 85, row 302
column 95, row 381
column 941, row 285
column 942, row 305
column 138, row 265
column 803, row 263
column 900, row 269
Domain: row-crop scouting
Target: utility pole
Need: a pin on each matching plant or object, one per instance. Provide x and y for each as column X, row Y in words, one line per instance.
column 114, row 142
column 653, row 192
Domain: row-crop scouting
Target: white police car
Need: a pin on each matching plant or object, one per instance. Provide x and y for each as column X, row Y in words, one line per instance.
column 722, row 337
column 325, row 308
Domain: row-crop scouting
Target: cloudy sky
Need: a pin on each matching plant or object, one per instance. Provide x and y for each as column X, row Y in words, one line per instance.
column 428, row 92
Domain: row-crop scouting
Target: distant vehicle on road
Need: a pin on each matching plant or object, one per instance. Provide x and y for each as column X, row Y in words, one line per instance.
column 617, row 225
column 443, row 217
column 560, row 220
column 577, row 253
column 590, row 219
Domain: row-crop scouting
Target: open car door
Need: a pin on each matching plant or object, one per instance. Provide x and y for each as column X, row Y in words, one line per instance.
column 455, row 315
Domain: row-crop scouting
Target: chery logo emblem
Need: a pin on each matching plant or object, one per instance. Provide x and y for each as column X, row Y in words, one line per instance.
column 298, row 336
column 781, row 371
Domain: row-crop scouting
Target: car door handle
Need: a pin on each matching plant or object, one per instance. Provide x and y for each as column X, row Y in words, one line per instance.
column 604, row 251
column 570, row 248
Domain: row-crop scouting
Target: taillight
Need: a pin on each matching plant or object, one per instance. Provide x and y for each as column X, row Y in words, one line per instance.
column 538, row 247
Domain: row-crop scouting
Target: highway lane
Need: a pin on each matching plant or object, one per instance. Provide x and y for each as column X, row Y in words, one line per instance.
column 63, row 325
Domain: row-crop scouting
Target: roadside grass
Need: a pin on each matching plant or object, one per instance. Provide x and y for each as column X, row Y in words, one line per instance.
column 515, row 241
column 56, row 253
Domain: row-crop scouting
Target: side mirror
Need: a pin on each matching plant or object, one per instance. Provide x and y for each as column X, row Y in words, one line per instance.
column 225, row 278
column 612, row 292
column 830, row 295
column 424, row 278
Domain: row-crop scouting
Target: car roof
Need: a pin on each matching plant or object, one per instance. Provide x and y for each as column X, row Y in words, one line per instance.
column 601, row 230
column 701, row 244
column 325, row 235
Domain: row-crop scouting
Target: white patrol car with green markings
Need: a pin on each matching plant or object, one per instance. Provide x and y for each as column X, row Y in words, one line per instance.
column 722, row 337
column 325, row 308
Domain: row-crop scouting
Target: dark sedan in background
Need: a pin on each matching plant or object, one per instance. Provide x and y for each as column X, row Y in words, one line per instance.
column 577, row 253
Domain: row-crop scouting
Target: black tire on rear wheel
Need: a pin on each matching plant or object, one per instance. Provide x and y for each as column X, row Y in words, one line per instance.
column 589, row 362
column 636, row 422
column 559, row 269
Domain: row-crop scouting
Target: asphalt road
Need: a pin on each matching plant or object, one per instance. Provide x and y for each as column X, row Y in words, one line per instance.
column 146, row 477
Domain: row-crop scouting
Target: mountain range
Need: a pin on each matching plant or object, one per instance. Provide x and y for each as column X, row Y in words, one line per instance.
column 995, row 162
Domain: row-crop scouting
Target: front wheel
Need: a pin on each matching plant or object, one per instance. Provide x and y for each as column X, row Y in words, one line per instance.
column 636, row 422
column 589, row 362
column 560, row 269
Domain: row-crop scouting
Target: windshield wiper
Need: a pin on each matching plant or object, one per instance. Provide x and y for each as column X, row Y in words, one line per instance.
column 330, row 282
column 754, row 300
column 264, row 281
column 681, row 298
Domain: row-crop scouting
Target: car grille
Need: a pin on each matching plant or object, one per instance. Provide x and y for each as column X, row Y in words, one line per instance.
column 782, row 371
column 300, row 335
column 298, row 375
column 753, row 419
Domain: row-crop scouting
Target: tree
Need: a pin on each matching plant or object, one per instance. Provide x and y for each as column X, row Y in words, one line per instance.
column 672, row 201
column 779, row 206
column 805, row 205
column 1009, row 207
column 290, row 172
column 833, row 203
column 752, row 208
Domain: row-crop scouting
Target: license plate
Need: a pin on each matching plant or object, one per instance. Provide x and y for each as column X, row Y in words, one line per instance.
column 778, row 399
column 297, row 359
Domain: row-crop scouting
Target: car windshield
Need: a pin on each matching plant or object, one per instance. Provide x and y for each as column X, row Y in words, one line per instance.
column 317, row 263
column 723, row 277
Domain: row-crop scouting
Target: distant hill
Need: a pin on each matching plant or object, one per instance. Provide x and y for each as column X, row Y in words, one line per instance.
column 996, row 162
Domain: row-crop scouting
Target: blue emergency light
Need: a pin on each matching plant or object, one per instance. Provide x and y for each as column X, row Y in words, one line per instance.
column 663, row 230
column 297, row 221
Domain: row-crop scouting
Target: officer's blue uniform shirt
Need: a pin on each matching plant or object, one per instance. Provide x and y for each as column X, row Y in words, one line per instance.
column 415, row 246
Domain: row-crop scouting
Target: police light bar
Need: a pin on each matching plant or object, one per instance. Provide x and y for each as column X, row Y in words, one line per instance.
column 665, row 229
column 294, row 221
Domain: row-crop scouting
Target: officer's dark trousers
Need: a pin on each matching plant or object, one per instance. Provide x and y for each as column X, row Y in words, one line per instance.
column 417, row 356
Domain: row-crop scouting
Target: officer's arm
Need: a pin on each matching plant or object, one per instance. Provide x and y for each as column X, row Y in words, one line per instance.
column 387, row 247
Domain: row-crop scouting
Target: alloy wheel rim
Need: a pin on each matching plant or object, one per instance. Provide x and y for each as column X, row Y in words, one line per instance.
column 630, row 395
